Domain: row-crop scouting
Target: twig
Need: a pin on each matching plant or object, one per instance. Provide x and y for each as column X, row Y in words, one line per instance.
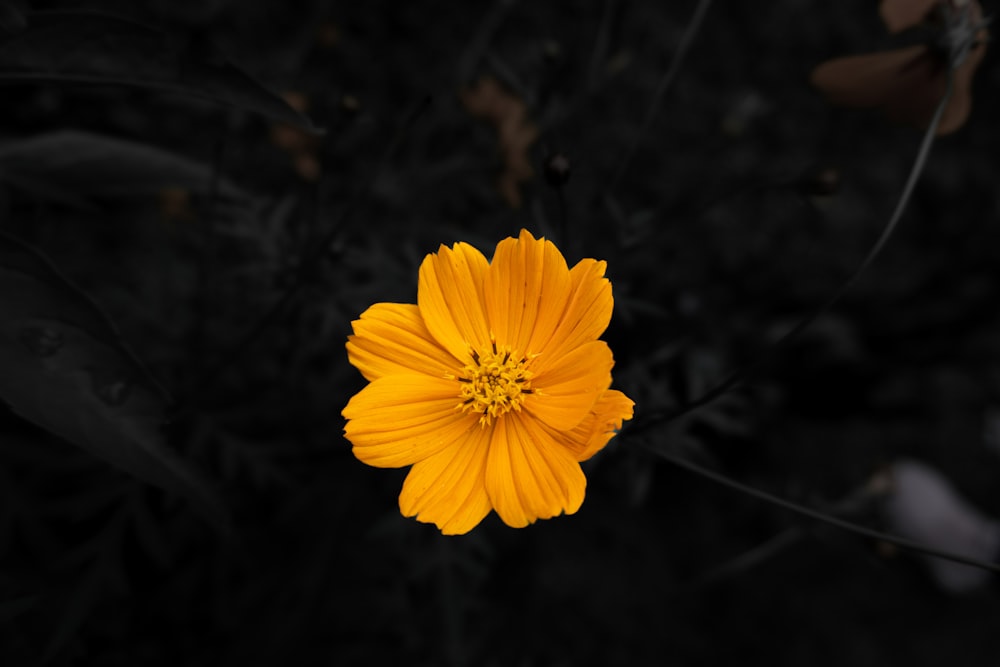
column 601, row 44
column 563, row 219
column 480, row 40
column 206, row 261
column 816, row 515
column 450, row 603
column 687, row 40
column 748, row 559
column 741, row 374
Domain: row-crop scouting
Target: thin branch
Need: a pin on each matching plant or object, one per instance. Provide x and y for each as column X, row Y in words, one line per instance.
column 666, row 81
column 601, row 44
column 816, row 515
column 748, row 559
column 741, row 374
column 480, row 41
column 451, row 603
column 564, row 234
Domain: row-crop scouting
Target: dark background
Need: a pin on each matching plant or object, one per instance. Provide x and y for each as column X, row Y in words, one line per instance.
column 722, row 232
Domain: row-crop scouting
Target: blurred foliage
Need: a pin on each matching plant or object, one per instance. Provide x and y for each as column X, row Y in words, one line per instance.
column 169, row 167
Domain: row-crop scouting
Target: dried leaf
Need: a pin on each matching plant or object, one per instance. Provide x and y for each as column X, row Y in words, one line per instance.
column 900, row 15
column 489, row 101
column 907, row 84
column 302, row 147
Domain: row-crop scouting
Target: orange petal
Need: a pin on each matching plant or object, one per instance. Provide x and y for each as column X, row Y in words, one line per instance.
column 587, row 312
column 597, row 429
column 399, row 420
column 899, row 15
column 566, row 389
column 448, row 489
column 450, row 296
column 527, row 289
column 528, row 476
column 392, row 338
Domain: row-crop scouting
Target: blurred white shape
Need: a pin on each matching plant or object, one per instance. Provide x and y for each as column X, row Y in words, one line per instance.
column 924, row 507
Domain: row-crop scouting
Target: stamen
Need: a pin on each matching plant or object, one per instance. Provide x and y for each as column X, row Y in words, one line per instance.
column 493, row 384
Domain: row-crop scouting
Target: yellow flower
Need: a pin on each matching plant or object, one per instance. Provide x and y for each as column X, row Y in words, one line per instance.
column 493, row 386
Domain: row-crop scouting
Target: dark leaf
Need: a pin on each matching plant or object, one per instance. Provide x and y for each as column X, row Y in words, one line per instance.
column 65, row 368
column 87, row 47
column 12, row 16
column 11, row 609
column 81, row 164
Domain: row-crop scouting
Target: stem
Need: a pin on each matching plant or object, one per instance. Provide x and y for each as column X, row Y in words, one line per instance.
column 667, row 80
column 563, row 219
column 205, row 266
column 450, row 604
column 480, row 40
column 741, row 374
column 601, row 44
column 749, row 559
column 816, row 515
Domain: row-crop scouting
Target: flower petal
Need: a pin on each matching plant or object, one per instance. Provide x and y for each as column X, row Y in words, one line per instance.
column 881, row 79
column 527, row 289
column 448, row 489
column 529, row 476
column 392, row 338
column 450, row 297
column 587, row 311
column 597, row 429
column 899, row 15
column 906, row 84
column 399, row 420
column 565, row 389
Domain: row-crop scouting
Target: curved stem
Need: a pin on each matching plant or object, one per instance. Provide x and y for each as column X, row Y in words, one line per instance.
column 451, row 605
column 564, row 234
column 816, row 515
column 748, row 559
column 741, row 374
column 687, row 40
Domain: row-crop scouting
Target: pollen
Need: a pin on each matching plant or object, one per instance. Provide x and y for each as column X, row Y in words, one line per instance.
column 495, row 383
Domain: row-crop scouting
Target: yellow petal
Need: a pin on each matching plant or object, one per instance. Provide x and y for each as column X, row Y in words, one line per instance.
column 527, row 289
column 450, row 297
column 587, row 311
column 401, row 419
column 448, row 489
column 565, row 389
column 597, row 429
column 391, row 338
column 529, row 476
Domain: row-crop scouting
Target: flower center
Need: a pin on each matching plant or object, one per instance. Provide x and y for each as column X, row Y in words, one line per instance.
column 495, row 383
